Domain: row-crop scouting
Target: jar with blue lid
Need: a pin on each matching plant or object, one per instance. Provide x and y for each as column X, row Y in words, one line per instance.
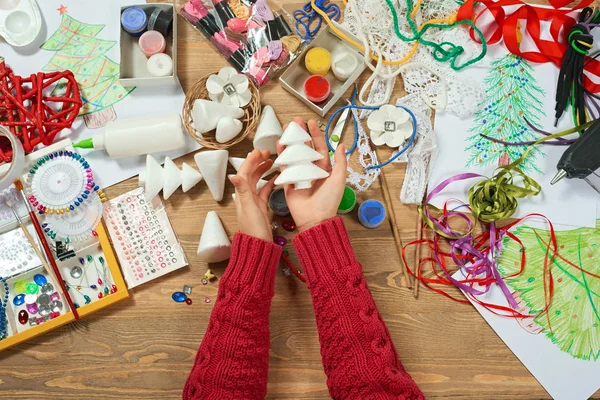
column 134, row 21
column 371, row 214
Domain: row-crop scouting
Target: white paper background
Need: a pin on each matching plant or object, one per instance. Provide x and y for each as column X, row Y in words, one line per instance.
column 564, row 377
column 569, row 202
column 141, row 102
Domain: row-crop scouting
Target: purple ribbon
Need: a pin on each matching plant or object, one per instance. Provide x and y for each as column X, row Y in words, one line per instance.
column 462, row 246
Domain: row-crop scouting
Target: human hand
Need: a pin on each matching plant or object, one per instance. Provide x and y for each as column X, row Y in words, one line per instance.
column 251, row 206
column 310, row 207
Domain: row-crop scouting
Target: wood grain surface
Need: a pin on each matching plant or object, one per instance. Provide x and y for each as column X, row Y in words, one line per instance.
column 144, row 347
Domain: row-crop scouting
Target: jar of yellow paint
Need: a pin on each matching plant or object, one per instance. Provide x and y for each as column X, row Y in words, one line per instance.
column 318, row 61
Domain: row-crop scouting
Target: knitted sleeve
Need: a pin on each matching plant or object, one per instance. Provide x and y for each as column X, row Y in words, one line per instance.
column 358, row 355
column 233, row 359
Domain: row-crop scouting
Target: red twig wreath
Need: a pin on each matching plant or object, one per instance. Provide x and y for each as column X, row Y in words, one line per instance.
column 31, row 112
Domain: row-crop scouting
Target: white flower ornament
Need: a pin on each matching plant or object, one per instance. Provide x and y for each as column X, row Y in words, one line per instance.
column 229, row 87
column 389, row 125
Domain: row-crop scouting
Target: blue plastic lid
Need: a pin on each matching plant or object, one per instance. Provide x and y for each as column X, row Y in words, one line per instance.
column 134, row 20
column 371, row 214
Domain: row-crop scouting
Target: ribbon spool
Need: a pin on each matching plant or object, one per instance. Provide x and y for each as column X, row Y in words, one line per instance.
column 15, row 170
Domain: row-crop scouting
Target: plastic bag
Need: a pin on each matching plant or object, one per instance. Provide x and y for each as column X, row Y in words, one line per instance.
column 253, row 35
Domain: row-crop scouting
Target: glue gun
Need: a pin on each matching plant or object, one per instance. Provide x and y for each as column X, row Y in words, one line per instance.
column 582, row 158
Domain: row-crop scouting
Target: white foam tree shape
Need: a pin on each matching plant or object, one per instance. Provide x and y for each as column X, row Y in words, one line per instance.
column 298, row 158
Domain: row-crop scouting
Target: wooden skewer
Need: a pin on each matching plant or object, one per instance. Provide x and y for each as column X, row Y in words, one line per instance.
column 392, row 217
column 418, row 256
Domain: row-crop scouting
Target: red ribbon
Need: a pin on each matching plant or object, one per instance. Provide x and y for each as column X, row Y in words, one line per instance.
column 507, row 28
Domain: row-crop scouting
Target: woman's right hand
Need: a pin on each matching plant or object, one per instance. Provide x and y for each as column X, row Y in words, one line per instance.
column 310, row 207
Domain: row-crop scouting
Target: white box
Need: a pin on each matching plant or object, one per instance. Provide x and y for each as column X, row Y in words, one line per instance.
column 133, row 69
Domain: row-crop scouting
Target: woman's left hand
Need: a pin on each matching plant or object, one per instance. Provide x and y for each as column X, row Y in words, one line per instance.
column 251, row 206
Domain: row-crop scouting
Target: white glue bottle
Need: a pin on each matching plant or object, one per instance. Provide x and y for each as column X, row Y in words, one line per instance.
column 137, row 136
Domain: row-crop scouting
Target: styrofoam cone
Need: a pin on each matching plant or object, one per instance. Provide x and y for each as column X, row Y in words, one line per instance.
column 227, row 129
column 214, row 244
column 189, row 177
column 268, row 132
column 294, row 134
column 213, row 167
column 301, row 175
column 259, row 185
column 206, row 114
column 153, row 178
column 236, row 162
column 172, row 178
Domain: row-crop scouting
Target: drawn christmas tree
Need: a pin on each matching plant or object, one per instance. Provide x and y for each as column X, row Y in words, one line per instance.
column 512, row 95
column 573, row 319
column 78, row 50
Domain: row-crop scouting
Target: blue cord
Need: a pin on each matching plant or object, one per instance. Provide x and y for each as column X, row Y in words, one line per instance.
column 354, row 106
column 306, row 16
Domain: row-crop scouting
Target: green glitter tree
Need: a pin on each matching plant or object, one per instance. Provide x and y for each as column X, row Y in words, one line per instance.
column 78, row 50
column 573, row 319
column 512, row 94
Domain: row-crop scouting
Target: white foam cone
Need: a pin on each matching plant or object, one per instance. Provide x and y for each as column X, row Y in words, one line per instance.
column 152, row 179
column 189, row 177
column 268, row 132
column 172, row 178
column 236, row 162
column 206, row 114
column 214, row 244
column 227, row 129
column 213, row 167
column 259, row 185
column 297, row 153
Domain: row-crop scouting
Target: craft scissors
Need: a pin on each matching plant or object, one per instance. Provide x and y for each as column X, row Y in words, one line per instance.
column 307, row 16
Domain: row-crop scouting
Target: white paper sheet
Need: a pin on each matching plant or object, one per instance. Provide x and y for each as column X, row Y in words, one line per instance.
column 141, row 102
column 563, row 377
column 569, row 202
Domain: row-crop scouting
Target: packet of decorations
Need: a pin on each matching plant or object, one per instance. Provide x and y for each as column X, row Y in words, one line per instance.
column 254, row 36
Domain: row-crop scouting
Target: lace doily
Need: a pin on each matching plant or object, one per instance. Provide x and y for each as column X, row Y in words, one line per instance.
column 438, row 85
column 421, row 156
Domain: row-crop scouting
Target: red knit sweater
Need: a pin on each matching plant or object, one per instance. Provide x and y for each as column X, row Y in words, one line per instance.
column 358, row 355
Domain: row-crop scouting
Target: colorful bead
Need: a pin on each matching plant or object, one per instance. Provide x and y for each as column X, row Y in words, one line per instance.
column 54, row 296
column 179, row 297
column 280, row 240
column 23, row 317
column 188, row 301
column 288, row 225
column 32, row 288
column 19, row 299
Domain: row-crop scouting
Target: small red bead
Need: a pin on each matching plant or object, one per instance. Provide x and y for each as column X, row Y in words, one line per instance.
column 188, row 301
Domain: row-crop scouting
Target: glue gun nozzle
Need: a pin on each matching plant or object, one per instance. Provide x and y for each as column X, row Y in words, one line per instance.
column 559, row 175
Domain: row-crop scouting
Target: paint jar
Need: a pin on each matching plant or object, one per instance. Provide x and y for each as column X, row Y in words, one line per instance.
column 152, row 42
column 318, row 61
column 161, row 20
column 371, row 214
column 134, row 21
column 278, row 204
column 343, row 65
column 348, row 201
column 160, row 65
column 317, row 89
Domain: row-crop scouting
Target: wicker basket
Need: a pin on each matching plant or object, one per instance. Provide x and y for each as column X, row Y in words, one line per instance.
column 208, row 140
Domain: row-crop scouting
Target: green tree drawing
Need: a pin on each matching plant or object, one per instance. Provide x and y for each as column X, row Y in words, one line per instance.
column 512, row 93
column 78, row 50
column 574, row 311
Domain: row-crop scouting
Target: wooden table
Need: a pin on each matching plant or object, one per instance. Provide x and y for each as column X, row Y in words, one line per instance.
column 144, row 348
